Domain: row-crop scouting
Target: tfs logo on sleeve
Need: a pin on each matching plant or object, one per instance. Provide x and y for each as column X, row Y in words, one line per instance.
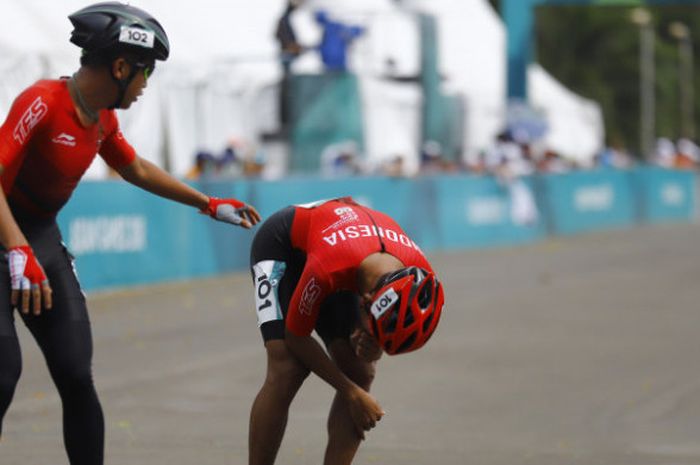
column 309, row 296
column 36, row 111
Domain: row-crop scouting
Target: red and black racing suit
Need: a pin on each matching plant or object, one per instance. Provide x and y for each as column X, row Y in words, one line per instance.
column 44, row 152
column 304, row 262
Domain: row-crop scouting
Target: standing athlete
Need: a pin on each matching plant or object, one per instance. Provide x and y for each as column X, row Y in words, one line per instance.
column 49, row 139
column 354, row 276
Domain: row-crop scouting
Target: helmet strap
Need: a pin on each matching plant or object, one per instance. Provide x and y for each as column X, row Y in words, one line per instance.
column 122, row 85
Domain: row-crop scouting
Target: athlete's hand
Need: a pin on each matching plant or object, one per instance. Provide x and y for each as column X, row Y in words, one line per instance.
column 365, row 345
column 364, row 410
column 232, row 211
column 27, row 275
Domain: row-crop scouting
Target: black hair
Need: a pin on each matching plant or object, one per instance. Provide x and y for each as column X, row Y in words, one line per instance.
column 105, row 58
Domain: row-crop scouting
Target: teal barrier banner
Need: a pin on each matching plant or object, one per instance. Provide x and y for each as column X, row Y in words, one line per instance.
column 665, row 195
column 480, row 211
column 588, row 200
column 123, row 236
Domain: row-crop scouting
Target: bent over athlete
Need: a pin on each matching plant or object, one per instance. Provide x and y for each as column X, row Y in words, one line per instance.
column 354, row 276
column 49, row 139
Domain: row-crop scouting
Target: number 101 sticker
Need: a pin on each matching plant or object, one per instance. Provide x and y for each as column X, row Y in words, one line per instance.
column 267, row 276
column 137, row 36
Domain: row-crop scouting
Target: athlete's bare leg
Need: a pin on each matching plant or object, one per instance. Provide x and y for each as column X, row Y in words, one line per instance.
column 268, row 416
column 343, row 440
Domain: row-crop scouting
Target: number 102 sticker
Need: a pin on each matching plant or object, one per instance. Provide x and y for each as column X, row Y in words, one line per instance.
column 137, row 36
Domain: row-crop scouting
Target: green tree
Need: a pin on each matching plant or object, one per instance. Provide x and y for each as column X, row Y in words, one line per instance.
column 595, row 52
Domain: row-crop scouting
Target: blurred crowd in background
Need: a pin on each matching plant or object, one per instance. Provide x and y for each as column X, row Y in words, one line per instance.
column 508, row 156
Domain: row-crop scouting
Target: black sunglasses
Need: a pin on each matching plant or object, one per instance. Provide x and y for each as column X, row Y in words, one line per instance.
column 147, row 68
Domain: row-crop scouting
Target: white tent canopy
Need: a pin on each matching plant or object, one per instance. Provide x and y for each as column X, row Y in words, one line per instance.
column 575, row 124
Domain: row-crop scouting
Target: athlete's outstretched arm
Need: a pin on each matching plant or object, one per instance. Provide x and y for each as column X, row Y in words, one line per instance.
column 364, row 409
column 148, row 176
column 26, row 273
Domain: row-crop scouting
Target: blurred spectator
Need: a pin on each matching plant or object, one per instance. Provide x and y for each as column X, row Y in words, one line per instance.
column 552, row 162
column 684, row 155
column 614, row 155
column 394, row 167
column 242, row 158
column 526, row 162
column 523, row 209
column 687, row 154
column 509, row 160
column 335, row 41
column 290, row 49
column 228, row 163
column 239, row 158
column 495, row 155
column 341, row 159
column 254, row 164
column 664, row 154
column 204, row 166
column 431, row 158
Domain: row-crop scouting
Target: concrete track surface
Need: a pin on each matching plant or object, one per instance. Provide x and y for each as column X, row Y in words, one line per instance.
column 582, row 350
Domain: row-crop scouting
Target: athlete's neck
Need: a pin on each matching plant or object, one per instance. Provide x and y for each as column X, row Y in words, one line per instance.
column 373, row 267
column 88, row 92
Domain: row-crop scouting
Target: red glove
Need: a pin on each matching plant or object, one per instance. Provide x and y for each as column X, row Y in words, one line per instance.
column 25, row 271
column 230, row 211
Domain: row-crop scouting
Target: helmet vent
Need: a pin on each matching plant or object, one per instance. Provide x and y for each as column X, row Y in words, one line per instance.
column 426, row 323
column 409, row 319
column 407, row 343
column 390, row 322
column 425, row 296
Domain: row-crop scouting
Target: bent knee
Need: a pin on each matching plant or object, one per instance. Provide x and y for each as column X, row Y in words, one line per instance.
column 284, row 369
column 290, row 372
column 72, row 378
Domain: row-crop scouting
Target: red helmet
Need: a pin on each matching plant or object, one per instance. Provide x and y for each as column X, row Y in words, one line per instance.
column 406, row 309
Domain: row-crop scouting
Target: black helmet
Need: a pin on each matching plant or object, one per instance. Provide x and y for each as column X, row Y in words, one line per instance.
column 113, row 27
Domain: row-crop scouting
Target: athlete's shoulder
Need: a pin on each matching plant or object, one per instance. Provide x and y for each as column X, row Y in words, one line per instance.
column 31, row 109
column 49, row 89
column 50, row 85
column 41, row 96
